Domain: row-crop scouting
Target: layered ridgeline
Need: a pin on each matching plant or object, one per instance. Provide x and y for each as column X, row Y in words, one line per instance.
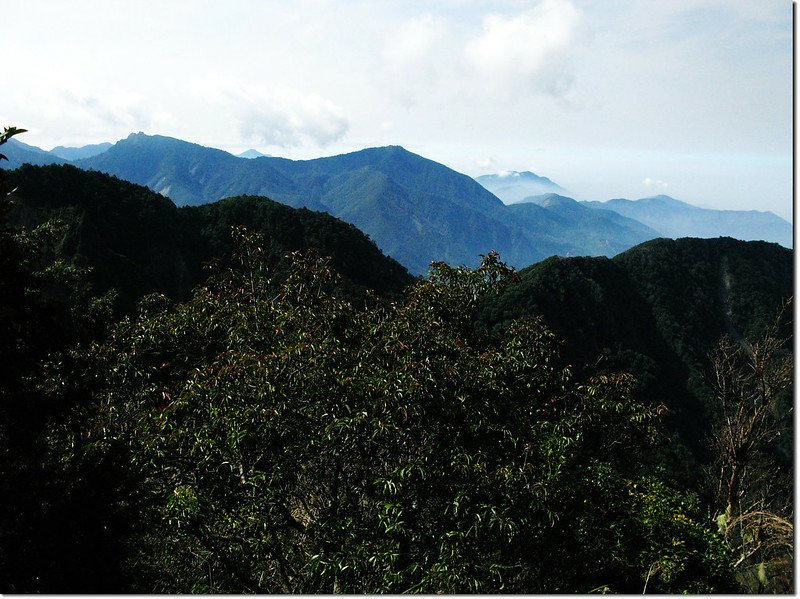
column 416, row 210
column 69, row 153
column 18, row 153
column 513, row 187
column 661, row 216
column 673, row 218
column 138, row 242
column 658, row 311
column 215, row 444
column 601, row 233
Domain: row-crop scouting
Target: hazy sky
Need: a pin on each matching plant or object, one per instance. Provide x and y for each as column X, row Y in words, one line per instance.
column 609, row 98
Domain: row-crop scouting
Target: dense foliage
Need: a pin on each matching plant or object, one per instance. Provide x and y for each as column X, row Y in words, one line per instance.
column 659, row 311
column 294, row 443
column 280, row 429
column 138, row 242
column 57, row 524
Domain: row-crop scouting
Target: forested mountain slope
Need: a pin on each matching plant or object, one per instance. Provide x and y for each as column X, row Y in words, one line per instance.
column 139, row 242
column 566, row 223
column 416, row 210
column 276, row 429
column 657, row 310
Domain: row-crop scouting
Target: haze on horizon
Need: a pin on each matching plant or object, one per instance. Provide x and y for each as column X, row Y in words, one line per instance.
column 608, row 98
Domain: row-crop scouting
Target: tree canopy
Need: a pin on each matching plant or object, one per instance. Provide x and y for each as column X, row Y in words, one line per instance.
column 291, row 442
column 313, row 421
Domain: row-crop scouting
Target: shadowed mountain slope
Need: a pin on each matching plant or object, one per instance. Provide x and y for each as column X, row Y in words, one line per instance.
column 139, row 242
column 657, row 310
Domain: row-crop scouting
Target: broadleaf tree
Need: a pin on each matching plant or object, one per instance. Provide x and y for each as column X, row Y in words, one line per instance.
column 289, row 441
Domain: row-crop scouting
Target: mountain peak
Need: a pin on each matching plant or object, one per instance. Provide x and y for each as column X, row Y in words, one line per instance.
column 27, row 147
column 156, row 144
column 251, row 153
column 141, row 137
column 515, row 186
column 77, row 152
column 388, row 151
column 509, row 174
column 552, row 199
column 664, row 199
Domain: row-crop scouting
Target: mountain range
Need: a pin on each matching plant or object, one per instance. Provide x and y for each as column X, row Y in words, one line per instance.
column 513, row 187
column 416, row 210
column 673, row 218
column 657, row 309
column 72, row 153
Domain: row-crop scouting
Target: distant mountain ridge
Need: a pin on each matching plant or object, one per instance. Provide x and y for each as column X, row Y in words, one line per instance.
column 601, row 233
column 415, row 209
column 19, row 153
column 673, row 218
column 75, row 153
column 513, row 186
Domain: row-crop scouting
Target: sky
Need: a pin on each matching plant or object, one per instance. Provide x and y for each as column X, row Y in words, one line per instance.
column 608, row 98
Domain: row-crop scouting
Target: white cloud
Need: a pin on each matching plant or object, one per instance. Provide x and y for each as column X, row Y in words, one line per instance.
column 650, row 183
column 528, row 51
column 67, row 112
column 417, row 60
column 287, row 117
column 117, row 109
column 281, row 116
column 485, row 163
column 412, row 42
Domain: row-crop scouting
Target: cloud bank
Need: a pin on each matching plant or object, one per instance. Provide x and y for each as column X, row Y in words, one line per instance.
column 430, row 57
column 282, row 116
column 528, row 51
column 81, row 115
column 412, row 43
column 651, row 183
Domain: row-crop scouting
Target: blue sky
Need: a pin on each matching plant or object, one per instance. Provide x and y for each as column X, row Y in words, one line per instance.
column 609, row 98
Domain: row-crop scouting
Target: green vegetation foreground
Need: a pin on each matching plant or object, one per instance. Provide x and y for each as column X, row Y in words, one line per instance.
column 268, row 435
column 285, row 441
